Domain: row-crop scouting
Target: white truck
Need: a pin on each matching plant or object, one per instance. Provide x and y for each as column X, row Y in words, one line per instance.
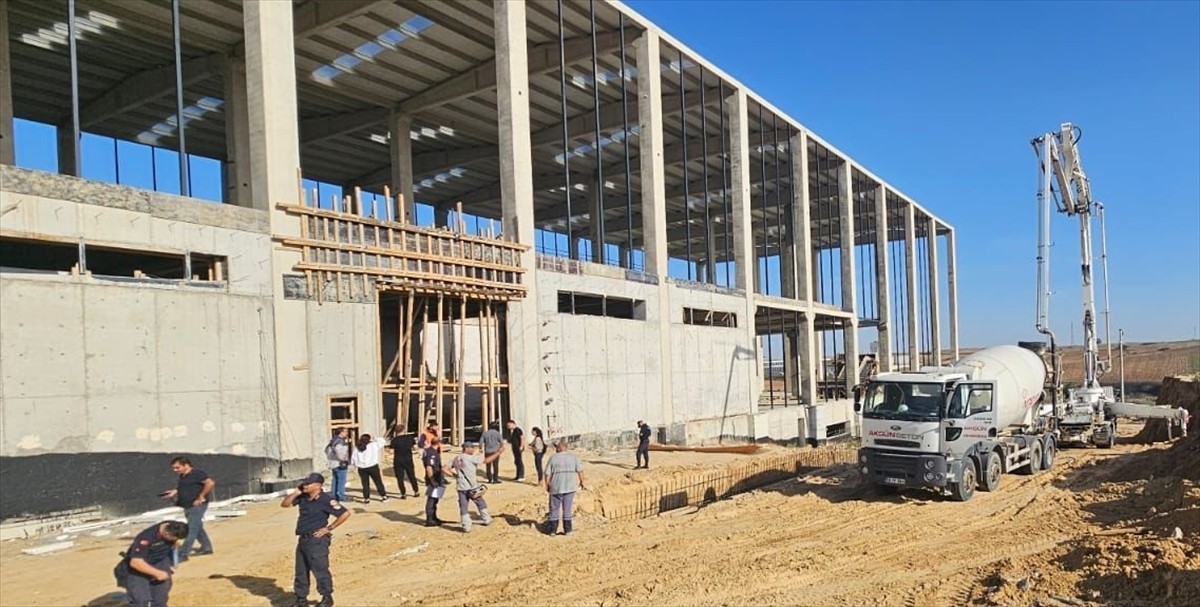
column 957, row 428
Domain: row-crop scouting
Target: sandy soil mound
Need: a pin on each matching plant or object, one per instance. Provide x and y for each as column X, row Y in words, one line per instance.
column 1180, row 391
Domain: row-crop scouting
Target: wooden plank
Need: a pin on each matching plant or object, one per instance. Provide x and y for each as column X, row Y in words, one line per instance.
column 441, row 355
column 406, row 375
column 410, row 228
column 375, row 250
column 460, row 407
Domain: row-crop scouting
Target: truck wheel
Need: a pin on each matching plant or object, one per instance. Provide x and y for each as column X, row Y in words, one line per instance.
column 1049, row 451
column 1035, row 458
column 964, row 489
column 1111, row 439
column 991, row 472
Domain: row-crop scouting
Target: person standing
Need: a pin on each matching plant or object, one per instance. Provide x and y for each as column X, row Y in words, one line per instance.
column 643, row 448
column 516, row 438
column 538, row 447
column 191, row 493
column 435, row 480
column 402, row 461
column 314, row 535
column 465, row 468
column 366, row 459
column 337, row 453
column 145, row 571
column 431, row 431
column 564, row 477
column 492, row 442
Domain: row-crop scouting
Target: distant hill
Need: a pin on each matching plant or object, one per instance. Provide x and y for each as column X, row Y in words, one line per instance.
column 1144, row 362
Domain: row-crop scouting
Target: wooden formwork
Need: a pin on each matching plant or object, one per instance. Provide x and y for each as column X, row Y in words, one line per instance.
column 445, row 280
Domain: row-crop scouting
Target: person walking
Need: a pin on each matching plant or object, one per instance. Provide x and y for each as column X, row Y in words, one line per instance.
column 191, row 493
column 538, row 447
column 516, row 438
column 146, row 567
column 366, row 459
column 337, row 453
column 492, row 442
column 643, row 448
column 314, row 535
column 435, row 480
column 465, row 468
column 402, row 461
column 564, row 477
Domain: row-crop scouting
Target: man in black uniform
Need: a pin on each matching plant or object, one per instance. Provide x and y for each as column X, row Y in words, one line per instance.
column 402, row 461
column 146, row 569
column 315, row 534
column 643, row 448
column 435, row 480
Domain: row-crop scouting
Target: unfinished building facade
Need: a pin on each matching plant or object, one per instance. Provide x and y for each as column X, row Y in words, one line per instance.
column 229, row 228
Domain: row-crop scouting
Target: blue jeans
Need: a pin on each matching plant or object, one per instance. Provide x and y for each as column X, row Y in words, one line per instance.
column 195, row 522
column 339, row 484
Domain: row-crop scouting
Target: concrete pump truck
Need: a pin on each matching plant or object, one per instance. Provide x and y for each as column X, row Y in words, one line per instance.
column 960, row 427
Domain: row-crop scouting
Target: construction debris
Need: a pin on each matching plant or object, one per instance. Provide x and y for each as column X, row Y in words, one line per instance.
column 48, row 548
column 407, row 551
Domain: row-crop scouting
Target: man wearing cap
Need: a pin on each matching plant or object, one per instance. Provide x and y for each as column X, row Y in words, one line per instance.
column 145, row 572
column 465, row 467
column 315, row 535
column 643, row 448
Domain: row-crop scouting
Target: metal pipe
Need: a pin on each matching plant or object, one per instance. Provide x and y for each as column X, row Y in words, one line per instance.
column 625, row 139
column 74, row 50
column 1121, row 351
column 1043, row 248
column 185, row 181
column 1104, row 275
column 598, row 196
column 710, row 273
column 562, row 83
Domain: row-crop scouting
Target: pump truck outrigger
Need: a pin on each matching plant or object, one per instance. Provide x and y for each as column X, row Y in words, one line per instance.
column 1001, row 409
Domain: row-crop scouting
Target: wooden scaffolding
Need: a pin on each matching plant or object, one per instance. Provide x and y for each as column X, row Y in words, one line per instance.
column 449, row 288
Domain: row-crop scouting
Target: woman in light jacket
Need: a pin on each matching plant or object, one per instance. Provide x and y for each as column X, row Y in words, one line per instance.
column 366, row 459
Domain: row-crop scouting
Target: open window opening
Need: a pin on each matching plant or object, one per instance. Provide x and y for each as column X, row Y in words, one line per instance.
column 601, row 305
column 709, row 318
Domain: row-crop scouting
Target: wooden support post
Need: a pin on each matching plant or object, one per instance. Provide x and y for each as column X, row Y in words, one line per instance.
column 441, row 354
column 406, row 362
column 401, row 216
column 460, row 406
column 387, row 204
column 486, row 321
column 421, row 362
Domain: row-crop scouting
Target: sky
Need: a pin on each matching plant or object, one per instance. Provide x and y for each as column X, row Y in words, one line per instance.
column 941, row 100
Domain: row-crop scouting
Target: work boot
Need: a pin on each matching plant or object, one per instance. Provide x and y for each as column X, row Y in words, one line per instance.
column 301, row 601
column 551, row 527
column 567, row 526
column 326, row 601
column 486, row 516
column 466, row 523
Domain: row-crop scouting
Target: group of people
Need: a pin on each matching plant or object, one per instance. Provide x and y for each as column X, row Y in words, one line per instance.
column 146, row 568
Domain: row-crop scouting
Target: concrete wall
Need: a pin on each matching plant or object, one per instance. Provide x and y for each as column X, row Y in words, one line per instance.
column 598, row 374
column 711, row 367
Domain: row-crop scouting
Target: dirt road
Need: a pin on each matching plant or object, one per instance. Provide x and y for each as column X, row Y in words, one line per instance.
column 1094, row 530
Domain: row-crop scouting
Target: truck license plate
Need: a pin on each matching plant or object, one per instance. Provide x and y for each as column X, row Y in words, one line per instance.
column 891, row 480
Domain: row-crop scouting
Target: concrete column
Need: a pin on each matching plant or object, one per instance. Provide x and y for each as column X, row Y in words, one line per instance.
column 743, row 236
column 801, row 218
column 654, row 202
column 710, row 253
column 238, row 190
column 952, row 296
column 650, row 150
column 791, row 360
column 883, row 281
column 274, row 165
column 849, row 271
column 400, row 127
column 7, row 146
column 806, row 344
column 595, row 191
column 935, row 307
column 66, row 150
column 910, row 279
column 742, row 228
column 516, row 201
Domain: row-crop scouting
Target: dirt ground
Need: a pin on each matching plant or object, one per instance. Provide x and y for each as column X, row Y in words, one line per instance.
column 1096, row 530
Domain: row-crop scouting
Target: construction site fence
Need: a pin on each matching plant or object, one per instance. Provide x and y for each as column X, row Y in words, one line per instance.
column 705, row 486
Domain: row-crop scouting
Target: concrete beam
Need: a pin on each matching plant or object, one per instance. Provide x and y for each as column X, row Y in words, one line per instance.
column 146, row 87
column 935, row 307
column 516, row 180
column 612, row 116
column 883, row 281
column 312, row 18
column 7, row 148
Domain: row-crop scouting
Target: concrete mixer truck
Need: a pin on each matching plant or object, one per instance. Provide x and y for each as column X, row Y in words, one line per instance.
column 957, row 428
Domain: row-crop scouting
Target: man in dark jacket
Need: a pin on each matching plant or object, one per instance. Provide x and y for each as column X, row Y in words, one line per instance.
column 643, row 448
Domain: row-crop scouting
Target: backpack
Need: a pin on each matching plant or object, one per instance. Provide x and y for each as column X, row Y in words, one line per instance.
column 121, row 571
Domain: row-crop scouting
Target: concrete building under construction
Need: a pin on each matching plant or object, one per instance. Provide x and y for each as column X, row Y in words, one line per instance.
column 229, row 227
